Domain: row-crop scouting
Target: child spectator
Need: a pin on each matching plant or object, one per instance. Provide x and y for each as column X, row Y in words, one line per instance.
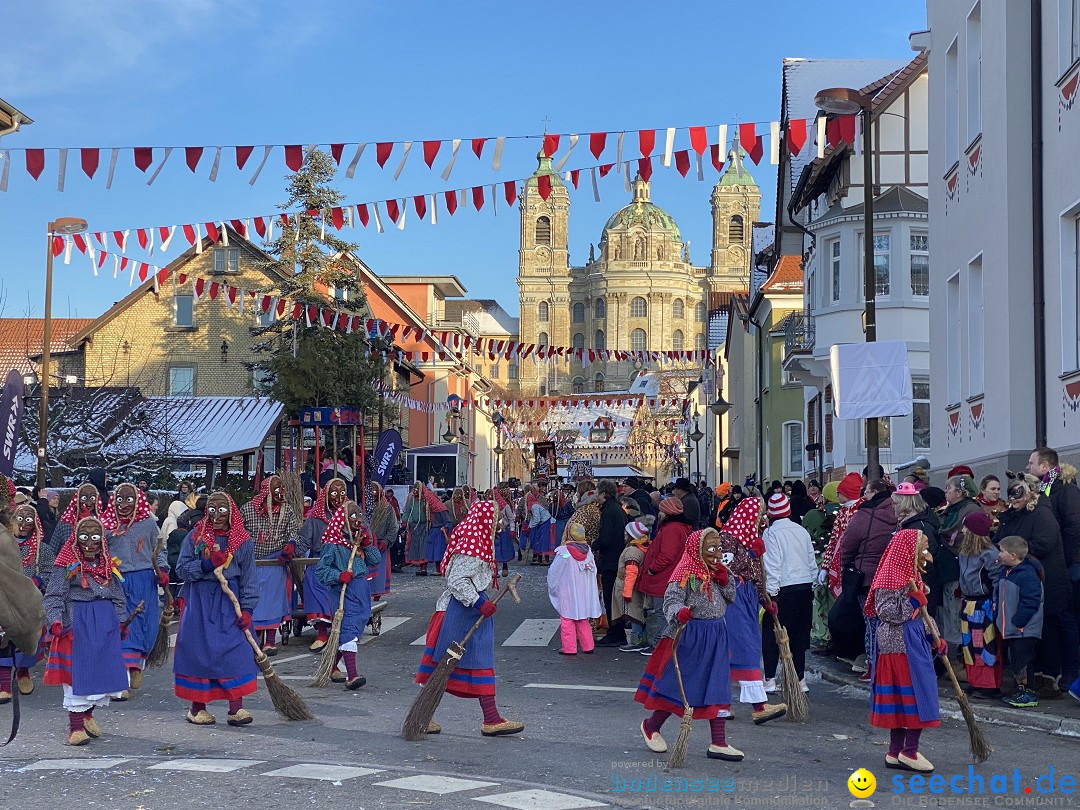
column 573, row 592
column 1018, row 605
column 629, row 602
column 979, row 638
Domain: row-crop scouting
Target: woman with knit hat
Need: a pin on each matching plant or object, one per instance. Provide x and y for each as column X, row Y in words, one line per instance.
column 572, row 589
column 695, row 602
column 627, row 599
column 980, row 643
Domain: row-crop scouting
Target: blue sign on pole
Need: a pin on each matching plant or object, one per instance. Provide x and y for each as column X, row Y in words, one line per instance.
column 385, row 456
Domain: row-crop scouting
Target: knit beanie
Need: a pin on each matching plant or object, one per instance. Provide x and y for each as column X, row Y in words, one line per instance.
column 830, row 493
column 851, row 486
column 978, row 523
column 636, row 529
column 671, row 506
column 779, row 505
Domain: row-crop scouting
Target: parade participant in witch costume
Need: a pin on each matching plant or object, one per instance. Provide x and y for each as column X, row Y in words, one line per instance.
column 439, row 526
column 469, row 567
column 416, row 525
column 86, row 502
column 274, row 527
column 697, row 597
column 317, row 608
column 37, row 564
column 742, row 548
column 903, row 685
column 505, row 550
column 131, row 532
column 384, row 529
column 345, row 533
column 213, row 659
column 84, row 608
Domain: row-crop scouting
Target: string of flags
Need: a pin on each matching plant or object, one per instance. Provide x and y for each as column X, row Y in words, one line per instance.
column 150, row 160
column 622, row 401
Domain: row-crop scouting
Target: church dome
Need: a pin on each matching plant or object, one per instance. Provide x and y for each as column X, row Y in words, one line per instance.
column 643, row 213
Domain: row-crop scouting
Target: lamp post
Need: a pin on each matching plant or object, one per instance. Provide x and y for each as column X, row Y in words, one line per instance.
column 847, row 101
column 62, row 226
column 696, row 437
column 719, row 408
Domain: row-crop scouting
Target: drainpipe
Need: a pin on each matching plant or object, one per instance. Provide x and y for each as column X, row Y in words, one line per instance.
column 1038, row 286
column 759, row 405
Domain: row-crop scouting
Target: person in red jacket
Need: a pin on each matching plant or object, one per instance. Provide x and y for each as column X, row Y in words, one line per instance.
column 665, row 551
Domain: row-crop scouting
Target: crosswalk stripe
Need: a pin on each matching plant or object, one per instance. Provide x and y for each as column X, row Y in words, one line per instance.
column 388, row 624
column 538, row 800
column 206, row 765
column 533, row 633
column 579, row 687
column 440, row 785
column 326, row 773
column 74, row 764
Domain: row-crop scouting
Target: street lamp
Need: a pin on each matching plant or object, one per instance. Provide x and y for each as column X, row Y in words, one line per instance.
column 62, row 226
column 847, row 101
column 696, row 437
column 718, row 409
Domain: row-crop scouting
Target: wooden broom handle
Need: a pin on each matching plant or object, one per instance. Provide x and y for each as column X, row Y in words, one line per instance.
column 511, row 584
column 220, row 574
column 675, row 661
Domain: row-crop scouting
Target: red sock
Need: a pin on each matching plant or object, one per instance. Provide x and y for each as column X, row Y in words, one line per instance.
column 758, row 706
column 5, row 679
column 350, row 663
column 22, row 672
column 322, row 630
column 271, row 638
column 655, row 721
column 75, row 721
column 718, row 729
column 896, row 741
column 235, row 705
column 198, row 707
column 491, row 711
column 89, row 712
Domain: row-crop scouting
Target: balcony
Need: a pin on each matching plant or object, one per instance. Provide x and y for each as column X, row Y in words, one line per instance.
column 799, row 334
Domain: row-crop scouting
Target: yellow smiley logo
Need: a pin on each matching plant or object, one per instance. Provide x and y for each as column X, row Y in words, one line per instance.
column 862, row 783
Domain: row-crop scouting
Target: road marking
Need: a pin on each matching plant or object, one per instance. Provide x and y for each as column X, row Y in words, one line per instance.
column 388, row 624
column 419, row 642
column 435, row 784
column 278, row 661
column 538, row 800
column 73, row 764
column 581, row 687
column 533, row 633
column 327, row 773
column 206, row 765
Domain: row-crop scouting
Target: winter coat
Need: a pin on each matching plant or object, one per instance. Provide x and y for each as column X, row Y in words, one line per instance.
column 1065, row 503
column 1018, row 600
column 630, row 568
column 789, row 556
column 664, row 553
column 1039, row 527
column 644, row 502
column 571, row 582
column 691, row 508
column 867, row 535
column 47, row 517
column 609, row 544
column 944, row 546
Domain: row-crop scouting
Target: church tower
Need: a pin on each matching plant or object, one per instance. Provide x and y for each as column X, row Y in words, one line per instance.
column 544, row 277
column 736, row 205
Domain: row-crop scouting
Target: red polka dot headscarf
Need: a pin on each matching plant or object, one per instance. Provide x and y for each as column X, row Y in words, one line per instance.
column 474, row 536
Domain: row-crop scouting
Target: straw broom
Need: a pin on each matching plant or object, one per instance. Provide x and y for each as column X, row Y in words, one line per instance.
column 159, row 653
column 286, row 702
column 423, row 708
column 980, row 746
column 798, row 707
column 682, row 742
column 329, row 655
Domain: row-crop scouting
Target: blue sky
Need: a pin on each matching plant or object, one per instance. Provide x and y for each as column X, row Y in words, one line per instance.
column 212, row 72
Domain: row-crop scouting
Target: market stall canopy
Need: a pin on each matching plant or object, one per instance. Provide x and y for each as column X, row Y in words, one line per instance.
column 204, row 428
column 617, row 471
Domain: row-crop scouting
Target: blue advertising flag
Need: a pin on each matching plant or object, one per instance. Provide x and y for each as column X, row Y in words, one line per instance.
column 11, row 410
column 385, row 456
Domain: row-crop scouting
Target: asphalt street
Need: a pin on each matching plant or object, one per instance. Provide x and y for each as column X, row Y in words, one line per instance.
column 581, row 746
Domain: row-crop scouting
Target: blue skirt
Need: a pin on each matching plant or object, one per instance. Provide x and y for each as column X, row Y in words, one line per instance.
column 88, row 659
column 706, row 672
column 540, row 538
column 379, row 578
column 21, row 659
column 317, row 605
column 213, row 660
column 275, row 595
column 504, row 547
column 560, row 530
column 357, row 608
column 744, row 633
column 474, row 674
column 142, row 632
column 436, row 543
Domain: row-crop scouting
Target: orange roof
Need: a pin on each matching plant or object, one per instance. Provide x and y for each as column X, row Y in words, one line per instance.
column 21, row 339
column 787, row 277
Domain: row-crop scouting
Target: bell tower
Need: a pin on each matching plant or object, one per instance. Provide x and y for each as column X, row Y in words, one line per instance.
column 736, row 206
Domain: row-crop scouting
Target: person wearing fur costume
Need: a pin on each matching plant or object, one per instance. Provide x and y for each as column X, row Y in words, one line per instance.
column 37, row 564
column 317, row 608
column 697, row 598
column 470, row 569
column 741, row 551
column 274, row 527
column 84, row 608
column 344, row 534
column 903, row 685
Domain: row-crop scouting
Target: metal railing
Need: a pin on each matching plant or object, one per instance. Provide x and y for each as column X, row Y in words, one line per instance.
column 799, row 334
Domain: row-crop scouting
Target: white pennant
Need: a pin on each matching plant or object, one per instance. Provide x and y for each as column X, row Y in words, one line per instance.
column 401, row 219
column 215, row 165
column 90, row 255
column 258, row 170
column 198, row 238
column 68, row 243
column 150, row 245
column 349, row 172
column 774, row 143
column 618, row 147
column 821, row 136
column 115, row 265
column 270, row 229
column 224, row 234
column 669, row 145
column 404, row 157
column 160, row 166
column 168, row 239
column 62, row 171
column 721, row 138
column 595, row 186
column 626, row 177
column 6, row 172
column 434, row 211
column 378, row 219
column 700, row 167
column 561, row 163
column 112, row 167
column 455, row 144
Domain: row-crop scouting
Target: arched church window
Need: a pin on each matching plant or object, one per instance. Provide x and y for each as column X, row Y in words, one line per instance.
column 579, row 340
column 601, row 308
column 677, row 308
column 677, row 341
column 699, row 312
column 579, row 313
column 601, row 340
column 699, row 341
column 639, row 341
column 638, row 308
column 542, row 339
column 579, row 385
column 598, row 384
column 543, row 231
column 735, row 229
column 542, row 312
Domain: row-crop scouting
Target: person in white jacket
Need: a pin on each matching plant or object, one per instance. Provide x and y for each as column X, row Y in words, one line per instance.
column 573, row 591
column 790, row 570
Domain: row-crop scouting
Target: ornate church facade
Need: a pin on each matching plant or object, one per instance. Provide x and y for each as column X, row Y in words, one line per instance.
column 638, row 290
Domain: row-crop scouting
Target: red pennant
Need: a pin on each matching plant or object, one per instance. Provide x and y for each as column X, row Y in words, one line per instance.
column 607, row 167
column 57, row 245
column 239, row 226
column 192, row 154
column 682, row 161
column 699, row 140
column 392, row 210
column 285, row 219
column 242, row 155
column 382, row 152
column 143, row 237
column 510, row 188
column 297, row 310
column 451, row 202
column 144, row 271
column 362, row 214
column 260, row 227
column 35, row 162
column 431, row 151
column 756, row 149
column 313, row 313
column 478, row 146
column 551, row 144
column 214, row 288
column 647, row 141
column 644, row 167
column 144, row 156
column 543, row 185
column 337, row 216
column 597, row 142
column 200, row 286
column 796, row 135
column 847, row 128
column 717, row 161
column 90, row 159
column 212, row 231
column 181, row 278
column 162, row 275
column 294, row 156
column 336, row 149
column 420, row 205
column 575, row 176
column 478, row 197
column 189, row 234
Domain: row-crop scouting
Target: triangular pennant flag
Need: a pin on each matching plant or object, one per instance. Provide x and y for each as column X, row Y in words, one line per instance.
column 717, row 160
column 575, row 176
column 242, row 155
column 796, row 135
column 420, row 205
column 337, row 217
column 431, row 151
column 90, row 159
column 382, row 153
column 510, row 188
column 35, row 162
column 451, row 202
column 144, row 156
column 606, row 168
column 478, row 146
column 543, row 186
column 699, row 141
column 336, row 149
column 294, row 156
column 392, row 209
column 215, row 287
column 192, row 155
column 478, row 197
column 646, row 141
column 551, row 144
column 682, row 161
column 645, row 168
column 143, row 236
column 597, row 142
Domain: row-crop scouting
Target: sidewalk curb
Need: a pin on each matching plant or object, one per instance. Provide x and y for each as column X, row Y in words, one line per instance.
column 993, row 715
